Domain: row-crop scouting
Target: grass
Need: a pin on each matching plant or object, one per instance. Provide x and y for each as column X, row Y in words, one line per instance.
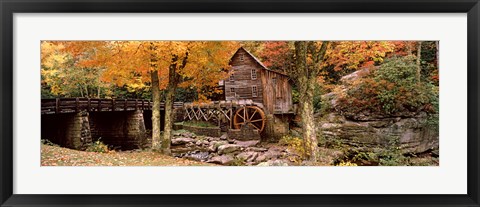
column 58, row 156
column 199, row 124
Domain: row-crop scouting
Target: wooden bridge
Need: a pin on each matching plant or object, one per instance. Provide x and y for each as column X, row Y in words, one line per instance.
column 77, row 122
column 74, row 105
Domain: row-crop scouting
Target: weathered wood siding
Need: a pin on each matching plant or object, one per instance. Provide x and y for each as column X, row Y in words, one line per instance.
column 277, row 96
column 274, row 91
column 242, row 78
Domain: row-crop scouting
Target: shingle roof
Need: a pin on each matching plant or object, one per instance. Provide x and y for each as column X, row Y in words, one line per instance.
column 258, row 61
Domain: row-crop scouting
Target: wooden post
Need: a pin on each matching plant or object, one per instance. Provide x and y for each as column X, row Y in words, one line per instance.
column 143, row 104
column 136, row 106
column 231, row 117
column 113, row 104
column 99, row 105
column 57, row 105
column 76, row 105
column 88, row 105
column 125, row 107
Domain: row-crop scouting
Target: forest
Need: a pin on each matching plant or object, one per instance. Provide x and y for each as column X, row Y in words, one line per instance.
column 240, row 103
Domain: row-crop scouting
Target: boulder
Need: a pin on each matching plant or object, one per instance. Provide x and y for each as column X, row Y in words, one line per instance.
column 269, row 155
column 224, row 137
column 202, row 142
column 181, row 150
column 211, row 139
column 182, row 140
column 222, row 159
column 212, row 148
column 247, row 156
column 228, row 148
column 257, row 149
column 198, row 156
column 247, row 143
column 274, row 163
column 215, row 144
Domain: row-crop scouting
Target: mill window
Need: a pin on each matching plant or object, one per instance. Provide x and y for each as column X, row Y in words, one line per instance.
column 254, row 91
column 254, row 74
column 231, row 78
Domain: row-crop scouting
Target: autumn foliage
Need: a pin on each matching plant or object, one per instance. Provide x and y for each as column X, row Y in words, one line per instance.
column 402, row 76
column 389, row 90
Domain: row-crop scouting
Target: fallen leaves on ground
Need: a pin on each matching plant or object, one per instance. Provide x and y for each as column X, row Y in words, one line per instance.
column 58, row 156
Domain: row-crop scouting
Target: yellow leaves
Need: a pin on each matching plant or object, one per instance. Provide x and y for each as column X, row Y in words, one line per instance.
column 51, row 56
column 201, row 64
column 139, row 85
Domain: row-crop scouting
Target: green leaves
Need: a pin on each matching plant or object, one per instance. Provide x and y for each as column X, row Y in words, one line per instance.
column 392, row 88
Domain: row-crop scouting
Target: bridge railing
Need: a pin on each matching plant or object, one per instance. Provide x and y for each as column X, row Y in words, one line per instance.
column 70, row 105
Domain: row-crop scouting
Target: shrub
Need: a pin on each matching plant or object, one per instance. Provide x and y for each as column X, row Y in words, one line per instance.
column 237, row 162
column 97, row 146
column 390, row 89
column 48, row 142
column 342, row 163
column 296, row 145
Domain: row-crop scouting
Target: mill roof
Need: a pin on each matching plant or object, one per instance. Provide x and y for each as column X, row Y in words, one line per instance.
column 258, row 61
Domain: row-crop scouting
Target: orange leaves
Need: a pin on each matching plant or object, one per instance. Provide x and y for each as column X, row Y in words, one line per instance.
column 369, row 63
column 199, row 63
column 276, row 54
column 357, row 54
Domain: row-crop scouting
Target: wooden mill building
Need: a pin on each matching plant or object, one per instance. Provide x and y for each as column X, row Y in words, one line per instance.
column 250, row 79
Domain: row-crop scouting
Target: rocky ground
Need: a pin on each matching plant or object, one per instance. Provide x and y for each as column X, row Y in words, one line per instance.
column 225, row 151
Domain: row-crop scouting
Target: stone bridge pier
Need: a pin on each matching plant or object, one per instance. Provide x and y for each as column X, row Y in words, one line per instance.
column 124, row 129
column 70, row 130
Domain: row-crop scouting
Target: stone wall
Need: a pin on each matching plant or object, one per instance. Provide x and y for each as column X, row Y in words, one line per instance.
column 205, row 131
column 245, row 133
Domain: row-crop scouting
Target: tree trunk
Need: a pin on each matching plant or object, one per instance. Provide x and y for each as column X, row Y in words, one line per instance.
column 419, row 56
column 409, row 48
column 86, row 92
column 173, row 80
column 436, row 53
column 308, row 121
column 98, row 87
column 155, row 110
column 98, row 90
column 306, row 78
column 169, row 99
column 81, row 90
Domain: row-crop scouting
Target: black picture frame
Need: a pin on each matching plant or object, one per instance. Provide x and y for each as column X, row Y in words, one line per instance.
column 9, row 7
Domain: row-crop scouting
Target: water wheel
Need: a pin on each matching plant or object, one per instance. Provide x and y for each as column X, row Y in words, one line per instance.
column 251, row 115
